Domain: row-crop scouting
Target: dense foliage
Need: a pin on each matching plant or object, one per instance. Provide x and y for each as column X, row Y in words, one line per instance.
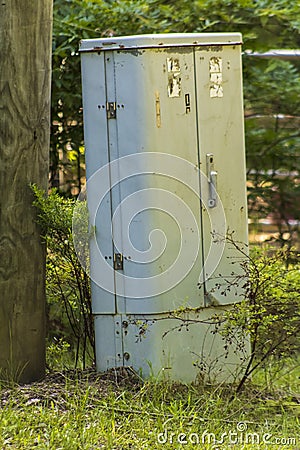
column 269, row 315
column 70, row 322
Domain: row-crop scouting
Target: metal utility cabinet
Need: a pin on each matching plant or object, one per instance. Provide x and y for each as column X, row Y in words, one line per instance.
column 165, row 161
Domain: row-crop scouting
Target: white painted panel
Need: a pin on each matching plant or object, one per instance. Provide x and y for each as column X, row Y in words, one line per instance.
column 153, row 89
column 177, row 108
column 221, row 134
column 109, row 346
column 97, row 156
column 165, row 347
column 159, row 41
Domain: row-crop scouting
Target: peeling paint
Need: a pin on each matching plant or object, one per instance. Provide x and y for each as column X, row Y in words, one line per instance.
column 174, row 77
column 215, row 77
column 157, row 108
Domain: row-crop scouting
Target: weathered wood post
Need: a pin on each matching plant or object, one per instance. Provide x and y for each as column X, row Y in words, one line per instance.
column 25, row 72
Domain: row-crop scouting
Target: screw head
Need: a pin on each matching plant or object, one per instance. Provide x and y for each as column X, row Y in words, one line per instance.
column 126, row 356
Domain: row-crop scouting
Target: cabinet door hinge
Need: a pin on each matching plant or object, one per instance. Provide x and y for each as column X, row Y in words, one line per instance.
column 111, row 111
column 118, row 261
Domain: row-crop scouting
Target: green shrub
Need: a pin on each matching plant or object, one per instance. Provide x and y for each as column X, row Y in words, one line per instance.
column 270, row 312
column 67, row 283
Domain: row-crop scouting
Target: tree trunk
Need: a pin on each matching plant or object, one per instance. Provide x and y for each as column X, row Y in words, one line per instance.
column 25, row 70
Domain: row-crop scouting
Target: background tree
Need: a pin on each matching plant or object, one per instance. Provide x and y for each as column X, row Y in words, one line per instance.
column 25, row 54
column 273, row 145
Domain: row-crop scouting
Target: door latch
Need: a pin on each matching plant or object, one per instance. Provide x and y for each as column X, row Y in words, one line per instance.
column 212, row 180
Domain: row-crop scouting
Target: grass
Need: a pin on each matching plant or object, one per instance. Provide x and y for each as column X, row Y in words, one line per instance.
column 84, row 410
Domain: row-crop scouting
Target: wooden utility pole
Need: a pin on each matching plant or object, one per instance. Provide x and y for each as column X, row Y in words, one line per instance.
column 25, row 71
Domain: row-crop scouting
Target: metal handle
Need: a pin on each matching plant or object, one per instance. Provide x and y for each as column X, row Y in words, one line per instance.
column 212, row 180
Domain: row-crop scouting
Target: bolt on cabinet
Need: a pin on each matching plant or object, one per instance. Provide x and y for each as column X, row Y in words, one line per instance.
column 165, row 161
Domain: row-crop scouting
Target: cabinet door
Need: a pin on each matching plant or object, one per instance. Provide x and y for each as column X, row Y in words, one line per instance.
column 156, row 217
column 97, row 157
column 222, row 157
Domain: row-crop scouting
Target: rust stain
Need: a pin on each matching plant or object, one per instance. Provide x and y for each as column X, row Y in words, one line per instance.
column 157, row 109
